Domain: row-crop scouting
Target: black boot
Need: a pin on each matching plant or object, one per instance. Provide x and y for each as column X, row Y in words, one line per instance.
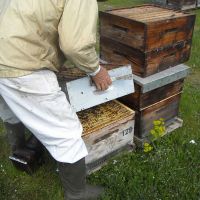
column 30, row 157
column 73, row 177
column 15, row 135
column 34, row 144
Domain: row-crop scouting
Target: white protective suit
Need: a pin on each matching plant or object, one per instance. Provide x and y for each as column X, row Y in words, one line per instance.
column 32, row 35
column 38, row 102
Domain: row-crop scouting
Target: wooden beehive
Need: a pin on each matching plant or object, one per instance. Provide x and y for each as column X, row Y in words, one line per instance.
column 147, row 27
column 156, row 97
column 182, row 4
column 149, row 37
column 168, row 109
column 145, row 63
column 140, row 100
column 107, row 129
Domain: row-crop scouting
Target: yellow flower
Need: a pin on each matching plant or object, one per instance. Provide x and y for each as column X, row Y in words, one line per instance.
column 147, row 147
column 157, row 123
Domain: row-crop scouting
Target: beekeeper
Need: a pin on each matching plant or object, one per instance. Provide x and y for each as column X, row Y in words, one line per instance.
column 35, row 38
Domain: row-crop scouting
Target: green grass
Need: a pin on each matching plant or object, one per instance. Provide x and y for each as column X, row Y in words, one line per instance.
column 121, row 3
column 171, row 172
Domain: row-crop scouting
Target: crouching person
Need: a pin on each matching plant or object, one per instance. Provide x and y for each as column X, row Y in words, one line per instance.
column 35, row 37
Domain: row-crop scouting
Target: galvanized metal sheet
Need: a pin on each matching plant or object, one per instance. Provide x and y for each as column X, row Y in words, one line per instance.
column 162, row 78
column 83, row 95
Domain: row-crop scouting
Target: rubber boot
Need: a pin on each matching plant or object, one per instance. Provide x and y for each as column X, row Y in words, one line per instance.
column 15, row 135
column 73, row 178
column 30, row 157
column 34, row 144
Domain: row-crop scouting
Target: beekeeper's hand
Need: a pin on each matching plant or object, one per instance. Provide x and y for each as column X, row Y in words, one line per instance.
column 102, row 79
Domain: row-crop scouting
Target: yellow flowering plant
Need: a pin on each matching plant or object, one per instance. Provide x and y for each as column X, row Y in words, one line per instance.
column 157, row 132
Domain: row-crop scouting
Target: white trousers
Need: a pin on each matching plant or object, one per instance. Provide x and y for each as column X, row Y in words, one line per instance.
column 38, row 102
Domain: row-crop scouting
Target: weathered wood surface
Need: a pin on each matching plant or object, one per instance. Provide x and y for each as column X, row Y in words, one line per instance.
column 109, row 140
column 167, row 109
column 146, row 27
column 182, row 4
column 107, row 128
column 144, row 63
column 140, row 100
column 172, row 126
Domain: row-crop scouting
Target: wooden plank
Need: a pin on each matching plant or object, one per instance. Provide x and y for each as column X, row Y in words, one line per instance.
column 144, row 63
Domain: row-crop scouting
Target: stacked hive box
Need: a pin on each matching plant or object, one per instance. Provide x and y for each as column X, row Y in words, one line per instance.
column 107, row 128
column 149, row 37
column 157, row 96
column 154, row 40
column 182, row 4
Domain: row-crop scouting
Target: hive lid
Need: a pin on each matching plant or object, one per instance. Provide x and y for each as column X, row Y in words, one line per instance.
column 147, row 13
column 82, row 95
column 162, row 78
